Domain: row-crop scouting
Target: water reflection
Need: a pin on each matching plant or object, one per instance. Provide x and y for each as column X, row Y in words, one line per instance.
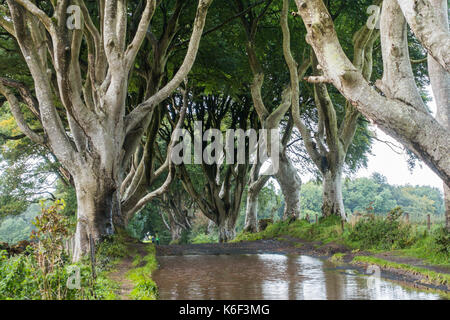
column 268, row 276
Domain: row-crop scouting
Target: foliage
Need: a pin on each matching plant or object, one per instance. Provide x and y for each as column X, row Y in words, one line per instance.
column 434, row 248
column 109, row 251
column 52, row 229
column 382, row 233
column 372, row 232
column 360, row 193
column 204, row 238
column 441, row 241
column 148, row 220
column 17, row 228
column 43, row 271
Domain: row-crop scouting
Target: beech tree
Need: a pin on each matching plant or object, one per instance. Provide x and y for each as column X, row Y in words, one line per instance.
column 219, row 195
column 329, row 145
column 179, row 209
column 93, row 96
column 440, row 84
column 287, row 175
column 400, row 115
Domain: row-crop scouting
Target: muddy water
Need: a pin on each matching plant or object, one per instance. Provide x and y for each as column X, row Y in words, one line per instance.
column 270, row 276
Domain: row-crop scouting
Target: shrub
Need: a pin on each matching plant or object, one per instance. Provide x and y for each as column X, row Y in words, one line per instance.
column 440, row 240
column 43, row 271
column 110, row 250
column 203, row 238
column 372, row 232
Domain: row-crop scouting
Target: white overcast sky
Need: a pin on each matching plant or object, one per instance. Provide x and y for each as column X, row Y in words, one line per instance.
column 394, row 166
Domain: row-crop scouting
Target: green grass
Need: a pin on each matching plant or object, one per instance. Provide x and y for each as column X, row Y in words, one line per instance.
column 429, row 275
column 426, row 248
column 432, row 247
column 327, row 230
column 141, row 276
column 337, row 257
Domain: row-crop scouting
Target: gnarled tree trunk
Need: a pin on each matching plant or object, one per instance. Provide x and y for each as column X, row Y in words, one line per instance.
column 227, row 228
column 96, row 202
column 256, row 183
column 290, row 184
column 410, row 125
column 440, row 84
column 251, row 212
column 333, row 203
column 93, row 97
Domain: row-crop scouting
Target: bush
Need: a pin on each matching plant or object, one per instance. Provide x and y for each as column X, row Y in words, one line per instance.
column 203, row 238
column 43, row 271
column 440, row 240
column 110, row 250
column 18, row 278
column 387, row 233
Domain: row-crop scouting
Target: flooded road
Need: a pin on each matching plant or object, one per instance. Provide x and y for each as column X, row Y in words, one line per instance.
column 272, row 277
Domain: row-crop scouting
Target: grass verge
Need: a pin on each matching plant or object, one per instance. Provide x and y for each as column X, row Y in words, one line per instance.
column 141, row 276
column 428, row 276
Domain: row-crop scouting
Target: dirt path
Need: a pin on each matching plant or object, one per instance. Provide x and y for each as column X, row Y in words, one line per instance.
column 119, row 275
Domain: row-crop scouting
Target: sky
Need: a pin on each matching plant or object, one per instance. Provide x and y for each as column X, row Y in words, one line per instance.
column 394, row 166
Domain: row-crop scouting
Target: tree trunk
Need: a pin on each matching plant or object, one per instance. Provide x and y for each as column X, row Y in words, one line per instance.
column 290, row 184
column 210, row 228
column 440, row 84
column 332, row 194
column 251, row 213
column 175, row 232
column 447, row 207
column 415, row 129
column 227, row 230
column 96, row 202
column 255, row 185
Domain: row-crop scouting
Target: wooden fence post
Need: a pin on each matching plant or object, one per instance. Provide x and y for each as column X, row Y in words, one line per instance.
column 406, row 217
column 428, row 222
column 317, row 218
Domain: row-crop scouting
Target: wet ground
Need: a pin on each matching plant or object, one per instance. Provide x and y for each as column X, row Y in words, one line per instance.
column 287, row 246
column 269, row 276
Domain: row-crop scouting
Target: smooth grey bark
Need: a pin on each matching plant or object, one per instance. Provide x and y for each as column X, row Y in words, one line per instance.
column 428, row 26
column 328, row 146
column 440, row 84
column 287, row 176
column 219, row 197
column 290, row 184
column 333, row 203
column 416, row 129
column 256, row 183
column 94, row 99
column 143, row 172
column 95, row 205
column 398, row 79
column 220, row 203
column 251, row 213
